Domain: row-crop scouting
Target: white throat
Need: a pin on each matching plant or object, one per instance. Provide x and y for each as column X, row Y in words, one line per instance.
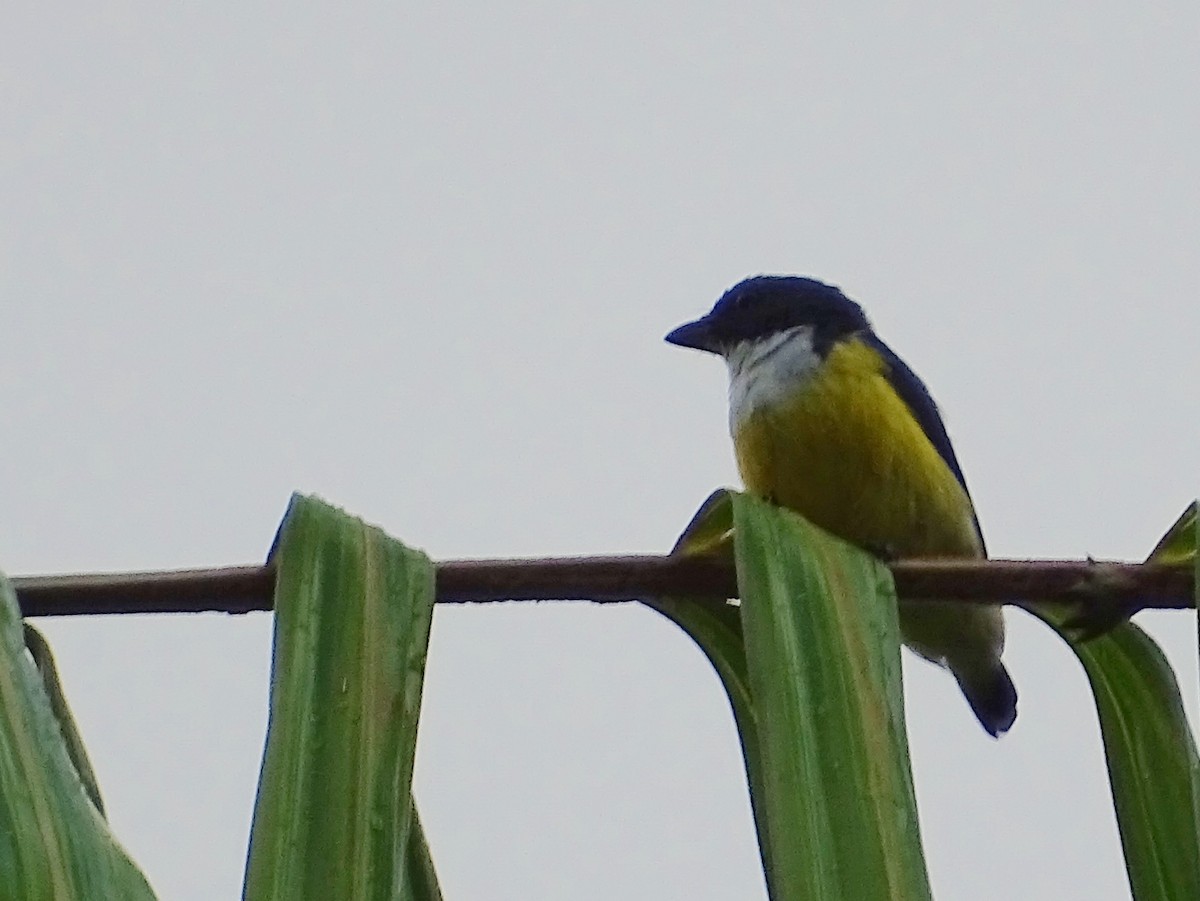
column 765, row 371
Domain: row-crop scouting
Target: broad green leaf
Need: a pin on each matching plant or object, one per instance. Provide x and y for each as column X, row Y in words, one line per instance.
column 54, row 843
column 1151, row 753
column 334, row 817
column 823, row 653
column 810, row 662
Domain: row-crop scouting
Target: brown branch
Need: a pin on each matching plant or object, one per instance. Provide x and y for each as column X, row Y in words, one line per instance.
column 233, row 589
column 611, row 579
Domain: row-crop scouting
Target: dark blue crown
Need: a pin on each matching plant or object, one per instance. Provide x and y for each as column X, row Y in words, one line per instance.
column 765, row 304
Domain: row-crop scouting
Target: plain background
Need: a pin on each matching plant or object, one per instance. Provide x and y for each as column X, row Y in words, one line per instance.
column 419, row 260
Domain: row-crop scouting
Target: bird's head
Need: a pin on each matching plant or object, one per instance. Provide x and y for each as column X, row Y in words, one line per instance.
column 760, row 310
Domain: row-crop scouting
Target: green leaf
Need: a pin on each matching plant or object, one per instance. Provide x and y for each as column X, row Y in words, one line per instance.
column 810, row 662
column 334, row 816
column 1152, row 762
column 54, row 842
column 1153, row 767
column 823, row 648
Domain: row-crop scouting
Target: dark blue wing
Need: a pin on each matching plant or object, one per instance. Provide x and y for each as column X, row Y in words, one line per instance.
column 917, row 398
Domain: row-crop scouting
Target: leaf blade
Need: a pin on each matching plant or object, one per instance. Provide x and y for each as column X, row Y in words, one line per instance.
column 54, row 842
column 334, row 816
column 822, row 645
column 1150, row 751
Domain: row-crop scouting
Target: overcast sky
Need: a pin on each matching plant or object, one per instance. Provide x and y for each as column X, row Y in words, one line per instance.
column 420, row 261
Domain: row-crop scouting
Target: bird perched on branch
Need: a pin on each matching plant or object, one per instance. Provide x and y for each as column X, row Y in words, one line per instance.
column 829, row 422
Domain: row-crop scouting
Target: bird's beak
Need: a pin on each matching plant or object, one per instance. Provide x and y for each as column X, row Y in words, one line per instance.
column 699, row 334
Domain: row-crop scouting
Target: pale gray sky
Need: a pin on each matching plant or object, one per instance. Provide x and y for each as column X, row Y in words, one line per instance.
column 420, row 261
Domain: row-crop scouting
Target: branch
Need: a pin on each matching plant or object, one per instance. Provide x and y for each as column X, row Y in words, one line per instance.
column 241, row 589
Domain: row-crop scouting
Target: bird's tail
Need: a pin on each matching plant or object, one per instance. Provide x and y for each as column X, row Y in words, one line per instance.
column 990, row 692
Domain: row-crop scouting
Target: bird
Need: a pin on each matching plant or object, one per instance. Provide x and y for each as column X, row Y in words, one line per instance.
column 829, row 422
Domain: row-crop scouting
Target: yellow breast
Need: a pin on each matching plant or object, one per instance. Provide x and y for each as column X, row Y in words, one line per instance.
column 844, row 451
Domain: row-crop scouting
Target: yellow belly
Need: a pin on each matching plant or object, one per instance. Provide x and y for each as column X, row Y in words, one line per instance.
column 845, row 452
